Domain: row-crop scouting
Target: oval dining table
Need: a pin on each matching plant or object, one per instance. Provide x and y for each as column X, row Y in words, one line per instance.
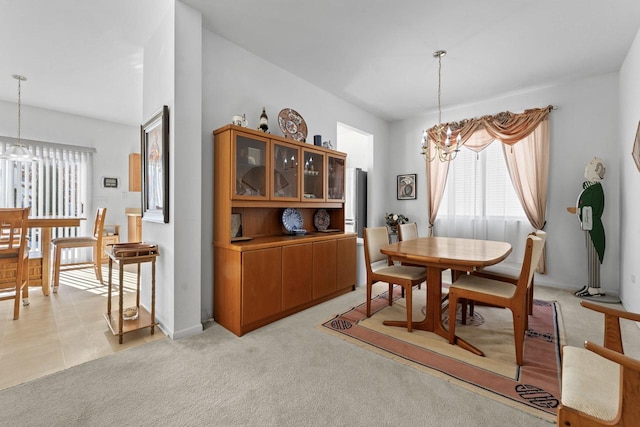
column 438, row 254
column 46, row 223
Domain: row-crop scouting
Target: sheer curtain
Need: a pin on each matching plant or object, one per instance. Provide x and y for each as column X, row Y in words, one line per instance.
column 527, row 160
column 481, row 203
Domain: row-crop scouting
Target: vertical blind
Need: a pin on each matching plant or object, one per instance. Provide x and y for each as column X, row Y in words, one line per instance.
column 58, row 183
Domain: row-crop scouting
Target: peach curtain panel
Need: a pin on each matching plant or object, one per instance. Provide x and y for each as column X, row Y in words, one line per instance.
column 527, row 162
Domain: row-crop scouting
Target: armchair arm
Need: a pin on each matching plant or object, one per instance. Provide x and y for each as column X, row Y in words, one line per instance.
column 610, row 311
column 614, row 356
column 612, row 336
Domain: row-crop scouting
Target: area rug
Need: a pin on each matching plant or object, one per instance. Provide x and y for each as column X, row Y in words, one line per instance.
column 533, row 387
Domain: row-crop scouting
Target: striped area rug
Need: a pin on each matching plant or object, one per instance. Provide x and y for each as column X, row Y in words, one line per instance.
column 533, row 387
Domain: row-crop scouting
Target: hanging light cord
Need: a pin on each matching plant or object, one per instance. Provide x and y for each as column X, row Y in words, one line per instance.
column 19, row 108
column 439, row 109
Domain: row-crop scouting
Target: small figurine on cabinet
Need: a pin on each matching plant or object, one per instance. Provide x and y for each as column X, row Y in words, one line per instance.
column 263, row 123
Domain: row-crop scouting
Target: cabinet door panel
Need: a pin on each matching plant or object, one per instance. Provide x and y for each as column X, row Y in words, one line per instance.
column 335, row 178
column 297, row 275
column 324, row 268
column 346, row 263
column 261, row 284
column 250, row 179
column 285, row 172
column 313, row 179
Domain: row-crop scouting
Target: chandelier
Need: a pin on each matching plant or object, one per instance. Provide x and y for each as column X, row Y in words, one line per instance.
column 443, row 149
column 18, row 152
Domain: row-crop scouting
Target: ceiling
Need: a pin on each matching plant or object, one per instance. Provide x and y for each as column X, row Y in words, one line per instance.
column 85, row 57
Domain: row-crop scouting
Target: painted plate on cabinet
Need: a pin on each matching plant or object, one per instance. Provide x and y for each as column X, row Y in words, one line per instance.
column 321, row 219
column 292, row 124
column 292, row 220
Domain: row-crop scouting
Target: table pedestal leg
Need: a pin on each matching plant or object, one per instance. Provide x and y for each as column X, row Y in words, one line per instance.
column 433, row 320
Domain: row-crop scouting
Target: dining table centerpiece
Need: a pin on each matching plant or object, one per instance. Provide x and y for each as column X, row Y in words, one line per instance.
column 393, row 220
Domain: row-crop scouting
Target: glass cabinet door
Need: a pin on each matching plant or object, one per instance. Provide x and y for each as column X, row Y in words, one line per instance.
column 250, row 168
column 286, row 176
column 335, row 177
column 313, row 175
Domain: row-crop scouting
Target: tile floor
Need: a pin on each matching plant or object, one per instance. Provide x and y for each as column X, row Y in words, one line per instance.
column 65, row 329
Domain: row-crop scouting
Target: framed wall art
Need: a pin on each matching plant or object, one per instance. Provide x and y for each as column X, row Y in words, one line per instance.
column 636, row 148
column 154, row 136
column 407, row 186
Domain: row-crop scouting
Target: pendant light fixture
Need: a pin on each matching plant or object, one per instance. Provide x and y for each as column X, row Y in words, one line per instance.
column 18, row 152
column 444, row 150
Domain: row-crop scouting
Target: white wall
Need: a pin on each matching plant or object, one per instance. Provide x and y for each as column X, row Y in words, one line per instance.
column 629, row 179
column 186, row 178
column 584, row 125
column 57, row 127
column 235, row 81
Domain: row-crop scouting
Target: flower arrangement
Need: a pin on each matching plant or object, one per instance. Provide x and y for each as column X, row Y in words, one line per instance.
column 393, row 220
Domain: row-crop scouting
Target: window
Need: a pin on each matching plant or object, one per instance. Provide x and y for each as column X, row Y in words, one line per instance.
column 57, row 184
column 479, row 200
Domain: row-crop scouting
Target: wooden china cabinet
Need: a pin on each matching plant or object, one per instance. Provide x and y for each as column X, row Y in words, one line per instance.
column 263, row 273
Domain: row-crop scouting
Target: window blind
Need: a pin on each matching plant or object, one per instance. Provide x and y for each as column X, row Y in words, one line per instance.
column 56, row 184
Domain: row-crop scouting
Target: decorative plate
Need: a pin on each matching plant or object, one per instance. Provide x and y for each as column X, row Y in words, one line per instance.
column 292, row 220
column 292, row 124
column 321, row 219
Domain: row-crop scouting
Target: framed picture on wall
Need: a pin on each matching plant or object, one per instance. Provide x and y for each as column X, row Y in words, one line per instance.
column 154, row 136
column 636, row 148
column 407, row 186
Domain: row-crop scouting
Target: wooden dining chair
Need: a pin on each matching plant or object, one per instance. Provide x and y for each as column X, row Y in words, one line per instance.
column 406, row 276
column 489, row 270
column 94, row 241
column 501, row 293
column 408, row 231
column 600, row 385
column 14, row 257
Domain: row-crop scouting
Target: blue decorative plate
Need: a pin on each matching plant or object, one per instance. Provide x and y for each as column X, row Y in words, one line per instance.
column 292, row 220
column 321, row 219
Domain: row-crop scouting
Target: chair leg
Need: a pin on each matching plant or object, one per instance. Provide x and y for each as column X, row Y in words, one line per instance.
column 390, row 293
column 97, row 262
column 530, row 298
column 453, row 303
column 369, row 285
column 518, row 334
column 56, row 268
column 16, row 300
column 25, row 292
column 409, row 308
column 463, row 304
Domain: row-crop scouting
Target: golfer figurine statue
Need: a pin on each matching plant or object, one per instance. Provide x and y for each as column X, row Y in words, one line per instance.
column 589, row 208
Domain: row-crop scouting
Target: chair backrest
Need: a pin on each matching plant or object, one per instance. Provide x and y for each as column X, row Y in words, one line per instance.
column 13, row 232
column 98, row 225
column 532, row 254
column 541, row 234
column 407, row 231
column 374, row 239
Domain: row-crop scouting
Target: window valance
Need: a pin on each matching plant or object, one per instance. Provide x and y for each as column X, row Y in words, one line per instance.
column 506, row 126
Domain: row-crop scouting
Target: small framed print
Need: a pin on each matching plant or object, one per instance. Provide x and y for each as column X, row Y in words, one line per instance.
column 636, row 148
column 406, row 186
column 109, row 182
